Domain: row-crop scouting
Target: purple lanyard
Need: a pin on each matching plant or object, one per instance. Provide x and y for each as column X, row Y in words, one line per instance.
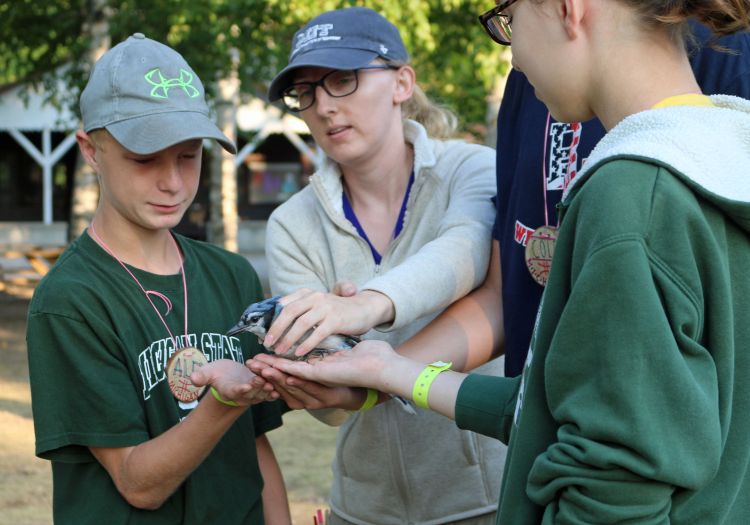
column 350, row 215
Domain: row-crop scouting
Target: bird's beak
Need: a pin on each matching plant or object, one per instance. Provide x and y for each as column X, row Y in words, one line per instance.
column 236, row 329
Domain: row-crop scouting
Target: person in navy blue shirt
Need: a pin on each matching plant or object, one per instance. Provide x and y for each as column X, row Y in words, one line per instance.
column 532, row 166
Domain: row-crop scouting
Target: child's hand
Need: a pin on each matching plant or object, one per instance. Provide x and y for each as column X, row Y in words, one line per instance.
column 234, row 382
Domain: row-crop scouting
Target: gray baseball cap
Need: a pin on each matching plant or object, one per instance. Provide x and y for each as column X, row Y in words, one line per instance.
column 147, row 96
column 347, row 38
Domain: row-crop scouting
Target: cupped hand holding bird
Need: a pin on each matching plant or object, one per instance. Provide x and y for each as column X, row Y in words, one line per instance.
column 299, row 393
column 235, row 382
column 373, row 364
column 363, row 366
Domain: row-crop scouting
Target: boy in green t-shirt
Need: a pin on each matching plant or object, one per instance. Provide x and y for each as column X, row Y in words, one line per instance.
column 131, row 310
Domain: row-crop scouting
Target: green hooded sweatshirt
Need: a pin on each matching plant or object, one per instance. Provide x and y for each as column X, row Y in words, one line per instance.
column 634, row 403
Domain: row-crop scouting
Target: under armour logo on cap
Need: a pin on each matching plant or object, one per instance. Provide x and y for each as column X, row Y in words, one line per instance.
column 162, row 87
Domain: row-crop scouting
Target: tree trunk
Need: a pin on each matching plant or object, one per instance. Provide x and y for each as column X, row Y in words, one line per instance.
column 85, row 187
column 84, row 199
column 223, row 220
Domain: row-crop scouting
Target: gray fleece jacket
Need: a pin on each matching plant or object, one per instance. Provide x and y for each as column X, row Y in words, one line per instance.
column 392, row 468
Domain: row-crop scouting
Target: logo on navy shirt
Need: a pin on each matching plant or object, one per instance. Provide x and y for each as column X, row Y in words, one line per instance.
column 522, row 233
column 561, row 141
column 562, row 166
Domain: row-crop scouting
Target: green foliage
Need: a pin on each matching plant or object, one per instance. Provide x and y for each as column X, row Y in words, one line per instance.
column 37, row 36
column 455, row 62
column 40, row 37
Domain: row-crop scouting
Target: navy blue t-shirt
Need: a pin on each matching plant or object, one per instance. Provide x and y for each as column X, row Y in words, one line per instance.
column 521, row 187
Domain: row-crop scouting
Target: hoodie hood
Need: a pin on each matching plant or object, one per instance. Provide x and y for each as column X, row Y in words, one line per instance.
column 707, row 147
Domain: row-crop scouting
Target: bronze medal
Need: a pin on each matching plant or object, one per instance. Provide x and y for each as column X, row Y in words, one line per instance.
column 539, row 251
column 179, row 368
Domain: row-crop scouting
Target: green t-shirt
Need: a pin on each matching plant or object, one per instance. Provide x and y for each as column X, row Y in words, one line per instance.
column 97, row 355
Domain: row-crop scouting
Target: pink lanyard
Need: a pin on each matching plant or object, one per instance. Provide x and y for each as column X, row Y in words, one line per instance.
column 148, row 293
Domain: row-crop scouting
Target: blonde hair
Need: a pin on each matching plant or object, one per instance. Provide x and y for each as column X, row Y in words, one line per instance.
column 438, row 120
column 99, row 137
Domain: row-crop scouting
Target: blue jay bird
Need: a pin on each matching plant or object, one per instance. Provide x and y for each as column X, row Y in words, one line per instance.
column 258, row 317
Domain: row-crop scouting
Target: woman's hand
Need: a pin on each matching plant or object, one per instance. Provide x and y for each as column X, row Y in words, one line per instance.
column 309, row 316
column 299, row 393
column 373, row 364
column 365, row 365
column 234, row 382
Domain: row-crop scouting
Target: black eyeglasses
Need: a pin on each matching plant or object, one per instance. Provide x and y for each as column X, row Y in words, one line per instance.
column 337, row 83
column 497, row 24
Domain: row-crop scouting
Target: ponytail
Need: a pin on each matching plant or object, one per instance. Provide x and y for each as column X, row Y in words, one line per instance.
column 722, row 17
column 439, row 121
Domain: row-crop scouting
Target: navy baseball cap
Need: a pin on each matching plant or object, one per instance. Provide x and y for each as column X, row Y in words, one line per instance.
column 347, row 38
column 148, row 98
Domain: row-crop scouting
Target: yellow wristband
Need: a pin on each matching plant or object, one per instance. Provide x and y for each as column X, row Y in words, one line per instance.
column 221, row 400
column 371, row 401
column 424, row 382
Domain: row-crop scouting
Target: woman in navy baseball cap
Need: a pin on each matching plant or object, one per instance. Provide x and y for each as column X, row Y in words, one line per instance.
column 404, row 217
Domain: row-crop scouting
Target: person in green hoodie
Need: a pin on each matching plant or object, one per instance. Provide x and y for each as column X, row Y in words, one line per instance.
column 632, row 404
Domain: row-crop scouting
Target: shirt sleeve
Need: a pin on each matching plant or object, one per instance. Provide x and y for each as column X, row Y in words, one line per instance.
column 267, row 416
column 83, row 394
column 455, row 261
column 485, row 404
column 634, row 395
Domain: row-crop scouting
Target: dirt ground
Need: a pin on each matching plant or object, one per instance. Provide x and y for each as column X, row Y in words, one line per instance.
column 25, row 483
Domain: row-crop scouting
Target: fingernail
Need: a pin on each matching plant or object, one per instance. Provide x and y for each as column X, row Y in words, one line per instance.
column 268, row 341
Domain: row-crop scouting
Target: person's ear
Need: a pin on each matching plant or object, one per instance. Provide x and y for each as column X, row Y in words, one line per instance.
column 572, row 15
column 406, row 79
column 88, row 149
